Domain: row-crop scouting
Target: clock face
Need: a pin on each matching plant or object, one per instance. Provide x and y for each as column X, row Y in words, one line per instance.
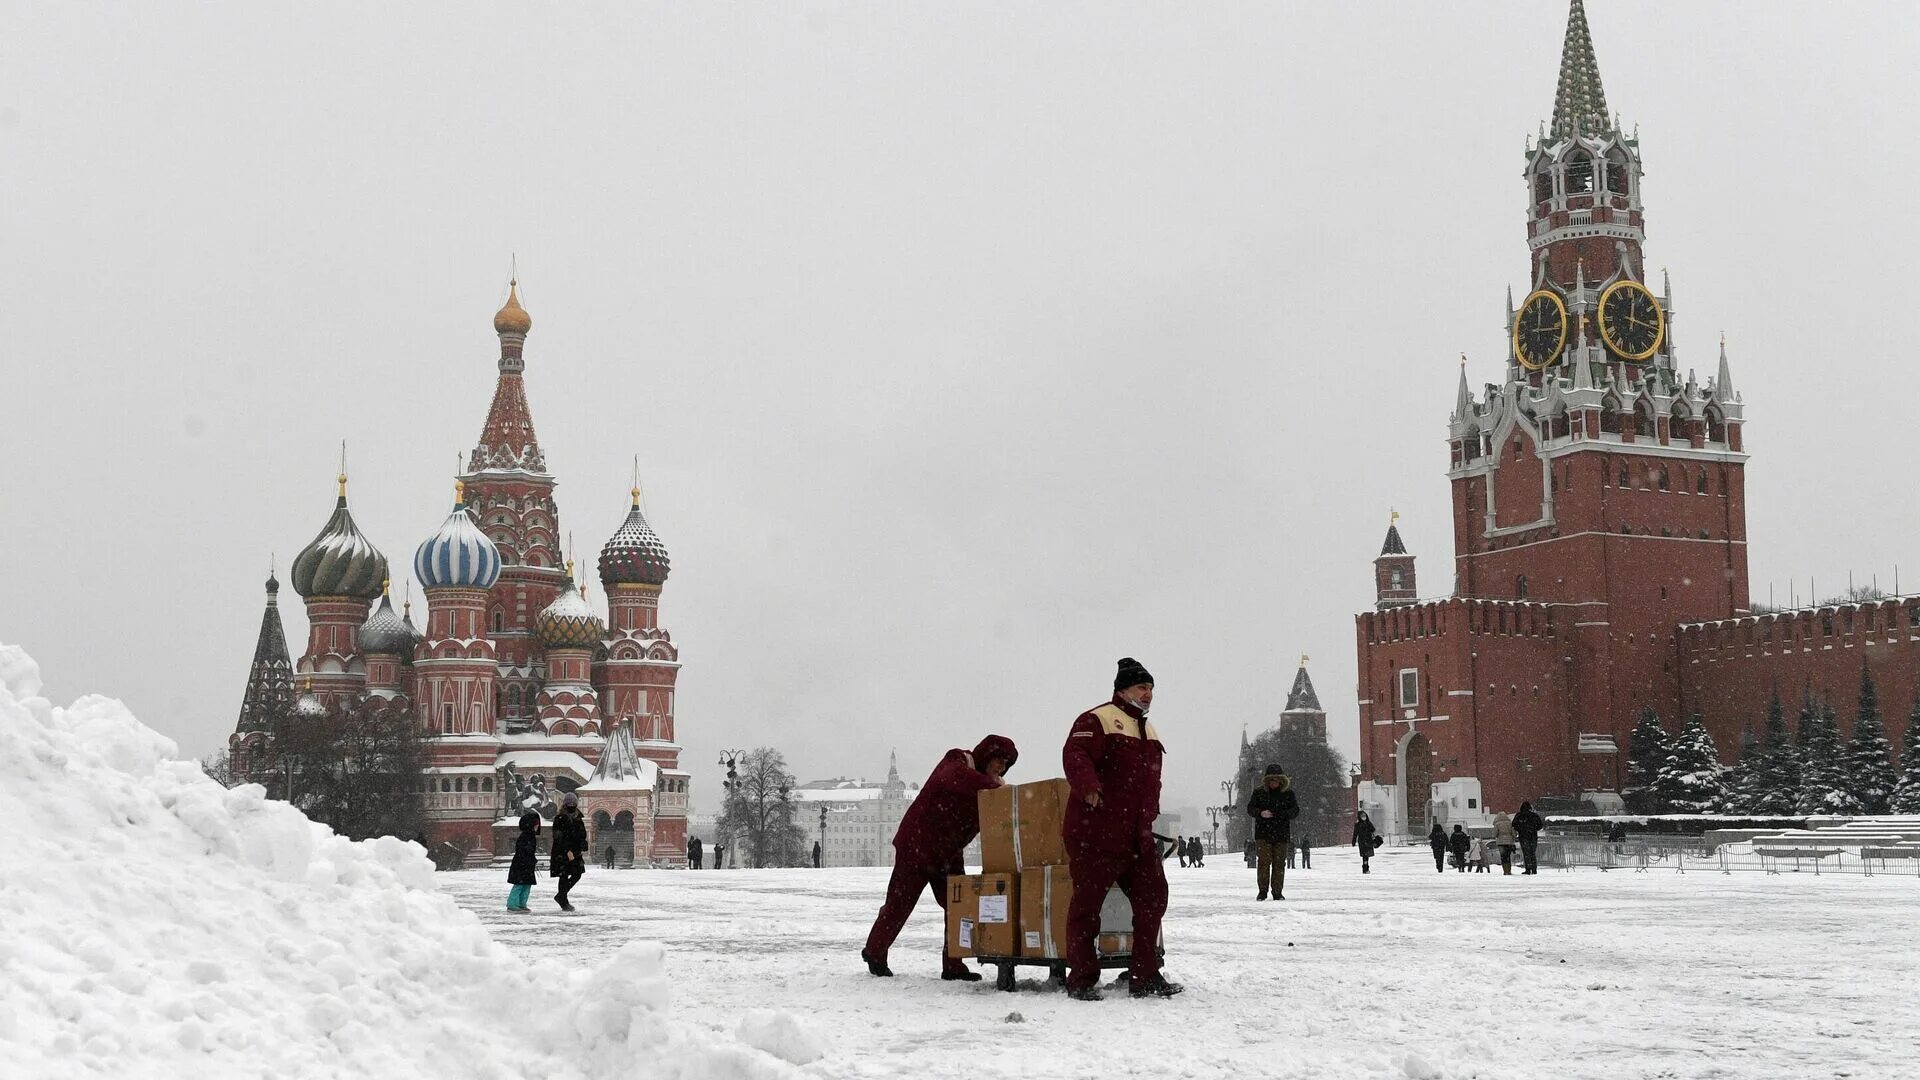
column 1540, row 330
column 1631, row 322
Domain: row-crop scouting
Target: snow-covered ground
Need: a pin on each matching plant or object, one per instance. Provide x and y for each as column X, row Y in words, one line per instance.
column 1401, row 973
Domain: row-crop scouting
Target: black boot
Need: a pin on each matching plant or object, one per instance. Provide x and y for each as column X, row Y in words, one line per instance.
column 1158, row 986
column 1085, row 993
column 876, row 967
column 961, row 975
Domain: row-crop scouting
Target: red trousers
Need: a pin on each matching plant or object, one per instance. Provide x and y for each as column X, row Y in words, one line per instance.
column 1144, row 881
column 903, row 892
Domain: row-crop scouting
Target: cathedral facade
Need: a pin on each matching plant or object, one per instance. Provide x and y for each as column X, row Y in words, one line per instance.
column 1599, row 533
column 521, row 690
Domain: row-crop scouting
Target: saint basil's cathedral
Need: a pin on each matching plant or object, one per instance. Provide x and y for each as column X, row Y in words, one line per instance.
column 521, row 689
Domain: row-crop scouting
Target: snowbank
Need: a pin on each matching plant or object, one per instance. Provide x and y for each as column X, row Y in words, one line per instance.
column 158, row 924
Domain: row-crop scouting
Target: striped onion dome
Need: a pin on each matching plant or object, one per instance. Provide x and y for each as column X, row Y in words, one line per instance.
column 386, row 632
column 635, row 555
column 340, row 561
column 569, row 622
column 458, row 556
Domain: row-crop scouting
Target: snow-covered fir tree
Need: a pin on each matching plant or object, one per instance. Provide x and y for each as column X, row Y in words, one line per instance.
column 1692, row 780
column 1906, row 793
column 1776, row 783
column 1870, row 774
column 1823, row 763
column 1740, row 782
column 1646, row 757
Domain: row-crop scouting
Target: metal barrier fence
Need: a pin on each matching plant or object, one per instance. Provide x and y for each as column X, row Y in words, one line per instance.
column 1682, row 854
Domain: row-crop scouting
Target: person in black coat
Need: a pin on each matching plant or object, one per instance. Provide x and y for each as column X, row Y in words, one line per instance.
column 524, row 871
column 569, row 849
column 693, row 853
column 1272, row 808
column 1305, row 846
column 1437, row 840
column 1527, row 825
column 1365, row 838
column 1460, row 843
column 1197, row 853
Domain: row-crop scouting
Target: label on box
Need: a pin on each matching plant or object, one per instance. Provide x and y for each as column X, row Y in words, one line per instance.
column 1033, row 939
column 966, row 933
column 993, row 909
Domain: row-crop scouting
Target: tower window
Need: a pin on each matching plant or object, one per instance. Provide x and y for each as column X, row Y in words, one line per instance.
column 1398, row 577
column 1520, row 586
column 1409, row 688
column 498, row 619
column 446, row 719
column 1580, row 175
column 1617, row 176
column 1700, row 483
column 1661, row 480
column 1626, row 478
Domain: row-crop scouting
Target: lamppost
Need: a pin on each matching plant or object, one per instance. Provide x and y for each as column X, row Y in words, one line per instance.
column 1213, row 812
column 823, row 839
column 731, row 759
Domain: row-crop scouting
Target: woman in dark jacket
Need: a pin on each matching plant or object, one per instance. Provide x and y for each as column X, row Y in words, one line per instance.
column 1364, row 837
column 525, row 869
column 1437, row 840
column 1460, row 843
column 569, row 848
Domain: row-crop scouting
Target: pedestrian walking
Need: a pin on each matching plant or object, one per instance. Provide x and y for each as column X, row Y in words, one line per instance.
column 1273, row 808
column 568, row 848
column 1291, row 853
column 1197, row 852
column 1437, row 840
column 693, row 852
column 1478, row 853
column 1504, row 839
column 1366, row 838
column 1113, row 757
column 1305, row 847
column 1183, row 850
column 1251, row 857
column 1527, row 825
column 927, row 846
column 523, row 873
column 609, row 859
column 1459, row 844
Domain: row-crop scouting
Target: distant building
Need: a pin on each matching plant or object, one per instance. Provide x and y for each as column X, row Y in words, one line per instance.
column 860, row 818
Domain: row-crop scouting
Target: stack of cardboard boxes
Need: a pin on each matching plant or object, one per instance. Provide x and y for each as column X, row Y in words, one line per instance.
column 1017, row 906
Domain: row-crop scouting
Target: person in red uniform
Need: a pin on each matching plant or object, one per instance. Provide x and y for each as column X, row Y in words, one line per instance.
column 943, row 820
column 1112, row 760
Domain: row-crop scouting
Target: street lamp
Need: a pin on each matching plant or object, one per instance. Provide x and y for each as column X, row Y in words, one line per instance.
column 730, row 759
column 823, row 839
column 1213, row 812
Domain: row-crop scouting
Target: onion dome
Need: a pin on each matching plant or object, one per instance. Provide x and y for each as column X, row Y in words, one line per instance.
column 309, row 706
column 512, row 319
column 459, row 555
column 384, row 631
column 635, row 555
column 340, row 561
column 569, row 622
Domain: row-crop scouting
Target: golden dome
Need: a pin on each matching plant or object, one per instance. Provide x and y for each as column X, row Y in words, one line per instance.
column 512, row 319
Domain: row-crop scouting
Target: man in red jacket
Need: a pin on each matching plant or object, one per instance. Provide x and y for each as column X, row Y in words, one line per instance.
column 943, row 820
column 1112, row 759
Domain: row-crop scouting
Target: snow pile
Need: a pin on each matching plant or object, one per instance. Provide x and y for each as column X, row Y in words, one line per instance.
column 158, row 924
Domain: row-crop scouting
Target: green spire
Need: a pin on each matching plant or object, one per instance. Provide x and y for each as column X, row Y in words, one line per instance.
column 1579, row 103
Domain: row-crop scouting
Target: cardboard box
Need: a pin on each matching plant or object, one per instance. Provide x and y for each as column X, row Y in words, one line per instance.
column 1045, row 892
column 982, row 913
column 1020, row 826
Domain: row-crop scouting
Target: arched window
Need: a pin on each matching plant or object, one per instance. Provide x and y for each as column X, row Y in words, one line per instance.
column 513, row 697
column 1543, row 186
column 1397, row 578
column 1643, row 421
column 1661, row 479
column 1520, row 586
column 1580, row 175
column 1716, row 428
column 1700, row 483
column 499, row 619
column 1619, row 173
column 446, row 719
column 1626, row 475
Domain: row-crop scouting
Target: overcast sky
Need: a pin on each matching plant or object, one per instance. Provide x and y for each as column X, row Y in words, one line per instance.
column 966, row 349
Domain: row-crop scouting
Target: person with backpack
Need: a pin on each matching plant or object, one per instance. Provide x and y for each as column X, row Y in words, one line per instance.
column 1366, row 839
column 1527, row 825
column 1437, row 840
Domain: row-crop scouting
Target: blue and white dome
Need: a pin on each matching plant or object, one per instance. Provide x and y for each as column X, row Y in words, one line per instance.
column 458, row 556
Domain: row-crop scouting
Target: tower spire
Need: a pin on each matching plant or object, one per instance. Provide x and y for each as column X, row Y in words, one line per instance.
column 1723, row 380
column 1579, row 102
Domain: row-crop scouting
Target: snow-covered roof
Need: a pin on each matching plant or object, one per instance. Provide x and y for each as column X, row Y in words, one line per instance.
column 545, row 760
column 621, row 769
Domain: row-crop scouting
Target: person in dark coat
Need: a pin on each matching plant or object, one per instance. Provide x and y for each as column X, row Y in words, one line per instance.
column 719, row 856
column 524, row 871
column 1183, row 849
column 1460, row 843
column 927, row 846
column 816, row 854
column 1365, row 839
column 569, row 848
column 1272, row 808
column 1305, row 846
column 1527, row 825
column 1437, row 840
column 693, row 852
column 1112, row 759
column 1197, row 853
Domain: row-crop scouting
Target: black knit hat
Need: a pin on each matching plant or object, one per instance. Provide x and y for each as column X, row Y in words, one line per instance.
column 1130, row 674
column 1273, row 770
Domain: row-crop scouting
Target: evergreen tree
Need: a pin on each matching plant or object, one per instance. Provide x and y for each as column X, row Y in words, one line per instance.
column 1742, row 780
column 1646, row 757
column 1823, row 763
column 1870, row 775
column 1692, row 780
column 1906, row 794
column 1776, row 781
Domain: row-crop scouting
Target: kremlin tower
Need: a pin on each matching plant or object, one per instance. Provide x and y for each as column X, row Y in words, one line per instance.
column 520, row 688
